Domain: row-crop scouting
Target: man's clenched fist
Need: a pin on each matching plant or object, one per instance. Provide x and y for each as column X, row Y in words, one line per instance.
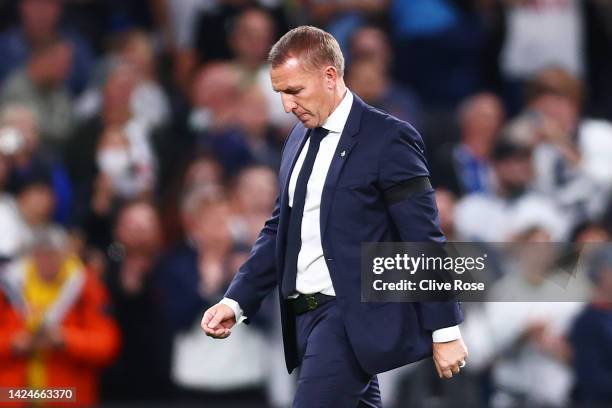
column 449, row 357
column 218, row 320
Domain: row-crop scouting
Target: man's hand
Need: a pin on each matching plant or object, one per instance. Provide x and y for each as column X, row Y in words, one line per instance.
column 449, row 357
column 49, row 338
column 22, row 343
column 218, row 320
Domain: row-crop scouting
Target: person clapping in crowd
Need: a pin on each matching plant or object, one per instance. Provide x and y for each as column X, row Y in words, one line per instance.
column 57, row 331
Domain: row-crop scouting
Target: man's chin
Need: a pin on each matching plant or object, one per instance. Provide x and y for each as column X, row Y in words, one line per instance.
column 308, row 124
column 307, row 121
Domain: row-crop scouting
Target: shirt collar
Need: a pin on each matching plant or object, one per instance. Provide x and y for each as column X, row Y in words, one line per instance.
column 336, row 121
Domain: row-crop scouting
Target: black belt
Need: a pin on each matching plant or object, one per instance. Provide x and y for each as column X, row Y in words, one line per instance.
column 305, row 303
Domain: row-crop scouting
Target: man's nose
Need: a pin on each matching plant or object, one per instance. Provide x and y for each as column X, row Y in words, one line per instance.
column 288, row 104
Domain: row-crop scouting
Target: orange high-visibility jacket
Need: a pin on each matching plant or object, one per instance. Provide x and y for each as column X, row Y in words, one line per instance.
column 91, row 340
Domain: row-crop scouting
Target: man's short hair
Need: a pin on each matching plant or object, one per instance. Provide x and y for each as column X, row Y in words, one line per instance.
column 554, row 80
column 49, row 237
column 506, row 147
column 316, row 47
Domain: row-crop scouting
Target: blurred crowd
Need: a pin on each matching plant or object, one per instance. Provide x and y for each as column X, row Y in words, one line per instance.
column 139, row 141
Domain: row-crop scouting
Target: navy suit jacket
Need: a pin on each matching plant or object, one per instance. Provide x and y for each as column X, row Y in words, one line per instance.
column 380, row 153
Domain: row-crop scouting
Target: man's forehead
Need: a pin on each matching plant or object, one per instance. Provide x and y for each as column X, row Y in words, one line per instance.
column 292, row 63
column 286, row 74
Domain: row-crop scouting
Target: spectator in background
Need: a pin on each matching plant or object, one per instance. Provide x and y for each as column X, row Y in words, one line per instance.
column 465, row 167
column 193, row 276
column 370, row 43
column 591, row 336
column 20, row 216
column 183, row 18
column 370, row 61
column 553, row 99
column 369, row 75
column 253, row 196
column 81, row 147
column 56, row 331
column 571, row 154
column 202, row 170
column 497, row 215
column 589, row 232
column 126, row 153
column 250, row 41
column 141, row 371
column 40, row 23
column 216, row 23
column 215, row 88
column 539, row 34
column 40, row 86
column 254, row 124
column 438, row 46
column 202, row 31
column 342, row 17
column 28, row 158
column 181, row 270
column 214, row 115
column 130, row 172
column 123, row 173
column 525, row 342
column 148, row 102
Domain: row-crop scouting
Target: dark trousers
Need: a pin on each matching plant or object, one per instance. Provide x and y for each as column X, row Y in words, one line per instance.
column 330, row 375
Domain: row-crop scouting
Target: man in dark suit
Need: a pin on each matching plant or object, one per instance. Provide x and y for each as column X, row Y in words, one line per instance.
column 349, row 174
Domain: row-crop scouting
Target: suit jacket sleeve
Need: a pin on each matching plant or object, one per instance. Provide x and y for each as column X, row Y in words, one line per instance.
column 414, row 213
column 257, row 276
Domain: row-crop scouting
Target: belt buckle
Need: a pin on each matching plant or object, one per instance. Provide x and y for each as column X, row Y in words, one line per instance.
column 311, row 302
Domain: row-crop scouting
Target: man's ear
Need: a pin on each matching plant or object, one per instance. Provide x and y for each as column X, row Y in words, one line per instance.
column 331, row 76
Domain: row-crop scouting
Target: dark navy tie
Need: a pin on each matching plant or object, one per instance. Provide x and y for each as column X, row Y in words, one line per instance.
column 294, row 233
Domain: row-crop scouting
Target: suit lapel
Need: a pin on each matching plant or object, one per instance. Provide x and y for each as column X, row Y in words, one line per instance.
column 348, row 140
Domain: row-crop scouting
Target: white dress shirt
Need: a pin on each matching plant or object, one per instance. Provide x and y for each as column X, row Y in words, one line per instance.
column 312, row 272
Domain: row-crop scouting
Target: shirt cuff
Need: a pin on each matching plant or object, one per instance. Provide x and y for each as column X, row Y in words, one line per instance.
column 446, row 334
column 238, row 313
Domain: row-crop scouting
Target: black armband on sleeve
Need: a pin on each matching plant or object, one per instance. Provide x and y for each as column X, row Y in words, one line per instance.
column 407, row 189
